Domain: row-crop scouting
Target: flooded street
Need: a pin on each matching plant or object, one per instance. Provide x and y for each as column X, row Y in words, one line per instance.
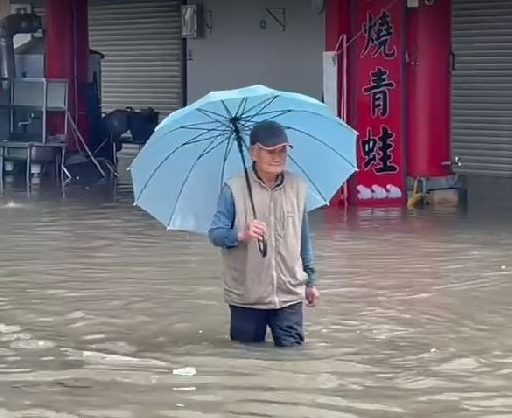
column 104, row 314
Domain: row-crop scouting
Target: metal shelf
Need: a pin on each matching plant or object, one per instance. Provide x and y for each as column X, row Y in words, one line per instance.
column 35, row 97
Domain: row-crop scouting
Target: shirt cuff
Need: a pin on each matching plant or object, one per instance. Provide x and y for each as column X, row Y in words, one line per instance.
column 311, row 281
column 231, row 239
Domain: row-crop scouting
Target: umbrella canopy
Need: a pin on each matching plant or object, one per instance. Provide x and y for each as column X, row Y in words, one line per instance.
column 179, row 173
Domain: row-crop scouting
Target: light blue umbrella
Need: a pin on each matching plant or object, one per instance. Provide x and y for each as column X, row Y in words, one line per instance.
column 179, row 173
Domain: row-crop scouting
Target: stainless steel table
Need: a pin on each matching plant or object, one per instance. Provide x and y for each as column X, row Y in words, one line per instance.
column 33, row 152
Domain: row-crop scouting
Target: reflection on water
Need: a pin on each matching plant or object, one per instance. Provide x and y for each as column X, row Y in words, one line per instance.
column 104, row 314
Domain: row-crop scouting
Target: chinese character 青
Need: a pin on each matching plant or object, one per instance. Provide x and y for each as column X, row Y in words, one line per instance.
column 378, row 89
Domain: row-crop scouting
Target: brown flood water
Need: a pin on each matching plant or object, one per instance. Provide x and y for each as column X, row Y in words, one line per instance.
column 104, row 314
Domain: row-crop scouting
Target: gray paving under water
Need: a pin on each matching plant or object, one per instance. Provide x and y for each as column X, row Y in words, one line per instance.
column 104, row 314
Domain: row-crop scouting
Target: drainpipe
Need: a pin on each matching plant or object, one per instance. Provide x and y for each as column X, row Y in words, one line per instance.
column 10, row 26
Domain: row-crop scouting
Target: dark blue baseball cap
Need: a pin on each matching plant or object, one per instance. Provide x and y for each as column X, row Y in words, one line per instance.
column 269, row 134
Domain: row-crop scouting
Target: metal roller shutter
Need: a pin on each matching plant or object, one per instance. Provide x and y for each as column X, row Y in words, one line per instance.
column 142, row 44
column 482, row 87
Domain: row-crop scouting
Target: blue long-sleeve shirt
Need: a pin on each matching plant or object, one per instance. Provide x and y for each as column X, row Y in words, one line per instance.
column 224, row 234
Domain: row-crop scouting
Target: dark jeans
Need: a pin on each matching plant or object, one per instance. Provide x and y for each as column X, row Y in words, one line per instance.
column 249, row 325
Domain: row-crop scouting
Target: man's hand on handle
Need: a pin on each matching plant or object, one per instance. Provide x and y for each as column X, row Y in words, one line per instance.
column 254, row 230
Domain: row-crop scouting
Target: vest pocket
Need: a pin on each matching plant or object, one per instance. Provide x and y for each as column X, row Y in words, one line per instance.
column 286, row 225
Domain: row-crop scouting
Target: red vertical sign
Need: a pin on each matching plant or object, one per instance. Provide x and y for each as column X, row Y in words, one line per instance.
column 381, row 177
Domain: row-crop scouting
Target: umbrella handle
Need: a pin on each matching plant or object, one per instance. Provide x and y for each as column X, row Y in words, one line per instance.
column 262, row 246
column 262, row 242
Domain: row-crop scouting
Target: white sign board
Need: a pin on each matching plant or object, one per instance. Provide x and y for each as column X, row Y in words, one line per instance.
column 330, row 73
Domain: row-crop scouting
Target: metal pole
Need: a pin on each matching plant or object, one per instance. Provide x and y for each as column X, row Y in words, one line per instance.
column 344, row 95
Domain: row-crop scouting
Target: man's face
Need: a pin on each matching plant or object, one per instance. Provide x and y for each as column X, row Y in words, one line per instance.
column 270, row 161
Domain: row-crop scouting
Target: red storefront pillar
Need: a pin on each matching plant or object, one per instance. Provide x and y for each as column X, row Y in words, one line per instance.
column 67, row 51
column 338, row 24
column 82, row 66
column 428, row 89
column 59, row 55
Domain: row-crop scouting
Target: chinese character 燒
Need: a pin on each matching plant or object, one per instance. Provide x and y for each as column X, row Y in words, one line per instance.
column 378, row 89
column 378, row 32
column 378, row 151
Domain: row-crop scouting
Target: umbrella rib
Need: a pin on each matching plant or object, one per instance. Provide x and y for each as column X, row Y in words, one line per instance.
column 209, row 113
column 192, row 126
column 291, row 128
column 308, row 177
column 196, row 124
column 249, row 118
column 226, row 108
column 213, row 145
column 254, row 106
column 241, row 107
column 227, row 151
column 170, row 154
column 205, row 129
column 264, row 104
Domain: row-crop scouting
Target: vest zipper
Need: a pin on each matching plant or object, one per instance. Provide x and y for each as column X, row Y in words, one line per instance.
column 274, row 275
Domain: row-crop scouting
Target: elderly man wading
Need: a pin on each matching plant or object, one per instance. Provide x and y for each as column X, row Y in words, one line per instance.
column 266, row 291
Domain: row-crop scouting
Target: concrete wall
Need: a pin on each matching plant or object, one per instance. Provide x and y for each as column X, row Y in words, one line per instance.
column 238, row 52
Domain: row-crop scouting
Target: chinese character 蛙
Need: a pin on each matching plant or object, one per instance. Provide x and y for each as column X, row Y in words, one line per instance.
column 378, row 151
column 378, row 33
column 369, row 149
